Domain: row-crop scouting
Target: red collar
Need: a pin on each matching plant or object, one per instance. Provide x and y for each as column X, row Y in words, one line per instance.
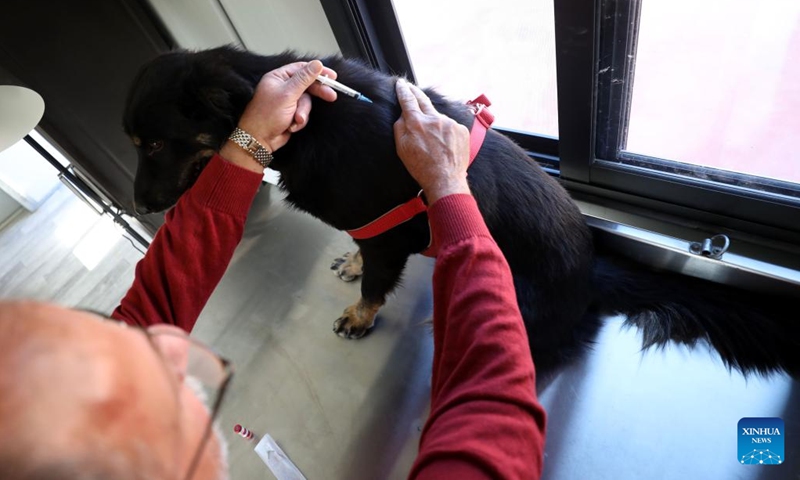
column 415, row 206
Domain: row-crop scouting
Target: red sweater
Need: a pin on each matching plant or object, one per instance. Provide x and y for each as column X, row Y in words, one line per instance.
column 192, row 250
column 485, row 421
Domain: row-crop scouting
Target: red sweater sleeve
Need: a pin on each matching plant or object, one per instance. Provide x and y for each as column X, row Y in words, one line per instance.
column 191, row 251
column 485, row 420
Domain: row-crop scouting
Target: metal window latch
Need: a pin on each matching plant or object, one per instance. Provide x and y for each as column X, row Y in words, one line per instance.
column 710, row 247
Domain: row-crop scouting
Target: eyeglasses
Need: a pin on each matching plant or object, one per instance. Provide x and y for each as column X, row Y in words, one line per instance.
column 213, row 372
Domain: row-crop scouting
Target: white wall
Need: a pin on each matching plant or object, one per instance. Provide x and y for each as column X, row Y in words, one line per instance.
column 195, row 24
column 26, row 176
column 8, row 206
column 264, row 26
column 270, row 26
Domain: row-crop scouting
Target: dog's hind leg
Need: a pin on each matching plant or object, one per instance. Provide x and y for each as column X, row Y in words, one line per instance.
column 559, row 328
column 382, row 270
column 349, row 266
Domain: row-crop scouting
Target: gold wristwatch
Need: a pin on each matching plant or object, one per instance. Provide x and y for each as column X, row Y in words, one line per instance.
column 251, row 146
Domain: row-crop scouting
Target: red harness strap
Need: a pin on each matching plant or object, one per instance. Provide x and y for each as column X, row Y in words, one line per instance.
column 415, row 206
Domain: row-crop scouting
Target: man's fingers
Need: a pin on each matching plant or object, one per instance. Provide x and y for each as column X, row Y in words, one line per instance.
column 413, row 99
column 408, row 101
column 285, row 72
column 424, row 102
column 323, row 91
column 329, row 73
column 301, row 114
column 305, row 77
column 399, row 127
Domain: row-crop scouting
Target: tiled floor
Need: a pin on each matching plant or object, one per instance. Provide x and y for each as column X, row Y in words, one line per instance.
column 65, row 253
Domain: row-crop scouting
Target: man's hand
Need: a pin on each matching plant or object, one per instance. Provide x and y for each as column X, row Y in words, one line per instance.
column 434, row 148
column 280, row 106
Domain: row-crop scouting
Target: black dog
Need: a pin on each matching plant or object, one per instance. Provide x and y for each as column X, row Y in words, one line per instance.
column 343, row 169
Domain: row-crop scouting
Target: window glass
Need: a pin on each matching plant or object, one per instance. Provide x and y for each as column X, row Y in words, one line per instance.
column 717, row 84
column 504, row 49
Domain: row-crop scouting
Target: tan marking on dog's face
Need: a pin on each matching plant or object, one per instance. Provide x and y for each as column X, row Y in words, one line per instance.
column 205, row 139
column 197, row 163
column 137, row 141
column 204, row 154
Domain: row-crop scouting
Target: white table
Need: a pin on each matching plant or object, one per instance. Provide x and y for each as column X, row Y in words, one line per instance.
column 20, row 112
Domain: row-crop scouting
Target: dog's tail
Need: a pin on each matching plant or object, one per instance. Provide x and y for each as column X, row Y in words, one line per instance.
column 753, row 333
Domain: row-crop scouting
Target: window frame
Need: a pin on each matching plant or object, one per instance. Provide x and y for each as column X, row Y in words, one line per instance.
column 370, row 30
column 755, row 212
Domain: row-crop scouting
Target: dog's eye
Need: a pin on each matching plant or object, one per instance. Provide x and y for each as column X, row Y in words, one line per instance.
column 155, row 145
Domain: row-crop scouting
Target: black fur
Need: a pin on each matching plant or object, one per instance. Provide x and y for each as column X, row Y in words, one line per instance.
column 343, row 169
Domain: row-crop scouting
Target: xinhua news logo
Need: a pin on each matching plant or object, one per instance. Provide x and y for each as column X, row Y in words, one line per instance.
column 761, row 441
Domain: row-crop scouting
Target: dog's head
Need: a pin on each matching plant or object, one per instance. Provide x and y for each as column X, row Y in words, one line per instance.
column 180, row 109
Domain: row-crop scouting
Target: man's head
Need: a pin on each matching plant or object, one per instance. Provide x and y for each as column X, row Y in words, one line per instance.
column 87, row 398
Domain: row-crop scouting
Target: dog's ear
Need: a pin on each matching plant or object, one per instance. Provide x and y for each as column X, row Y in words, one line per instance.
column 226, row 97
column 216, row 100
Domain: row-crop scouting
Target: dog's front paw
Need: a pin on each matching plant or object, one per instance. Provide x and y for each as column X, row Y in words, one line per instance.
column 356, row 320
column 349, row 266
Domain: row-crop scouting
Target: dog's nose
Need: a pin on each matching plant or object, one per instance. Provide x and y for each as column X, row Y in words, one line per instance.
column 140, row 209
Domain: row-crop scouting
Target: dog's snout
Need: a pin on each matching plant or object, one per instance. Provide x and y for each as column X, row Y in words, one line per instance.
column 140, row 209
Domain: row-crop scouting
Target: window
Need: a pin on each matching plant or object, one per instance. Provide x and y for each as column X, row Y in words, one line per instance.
column 676, row 107
column 710, row 94
column 505, row 49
